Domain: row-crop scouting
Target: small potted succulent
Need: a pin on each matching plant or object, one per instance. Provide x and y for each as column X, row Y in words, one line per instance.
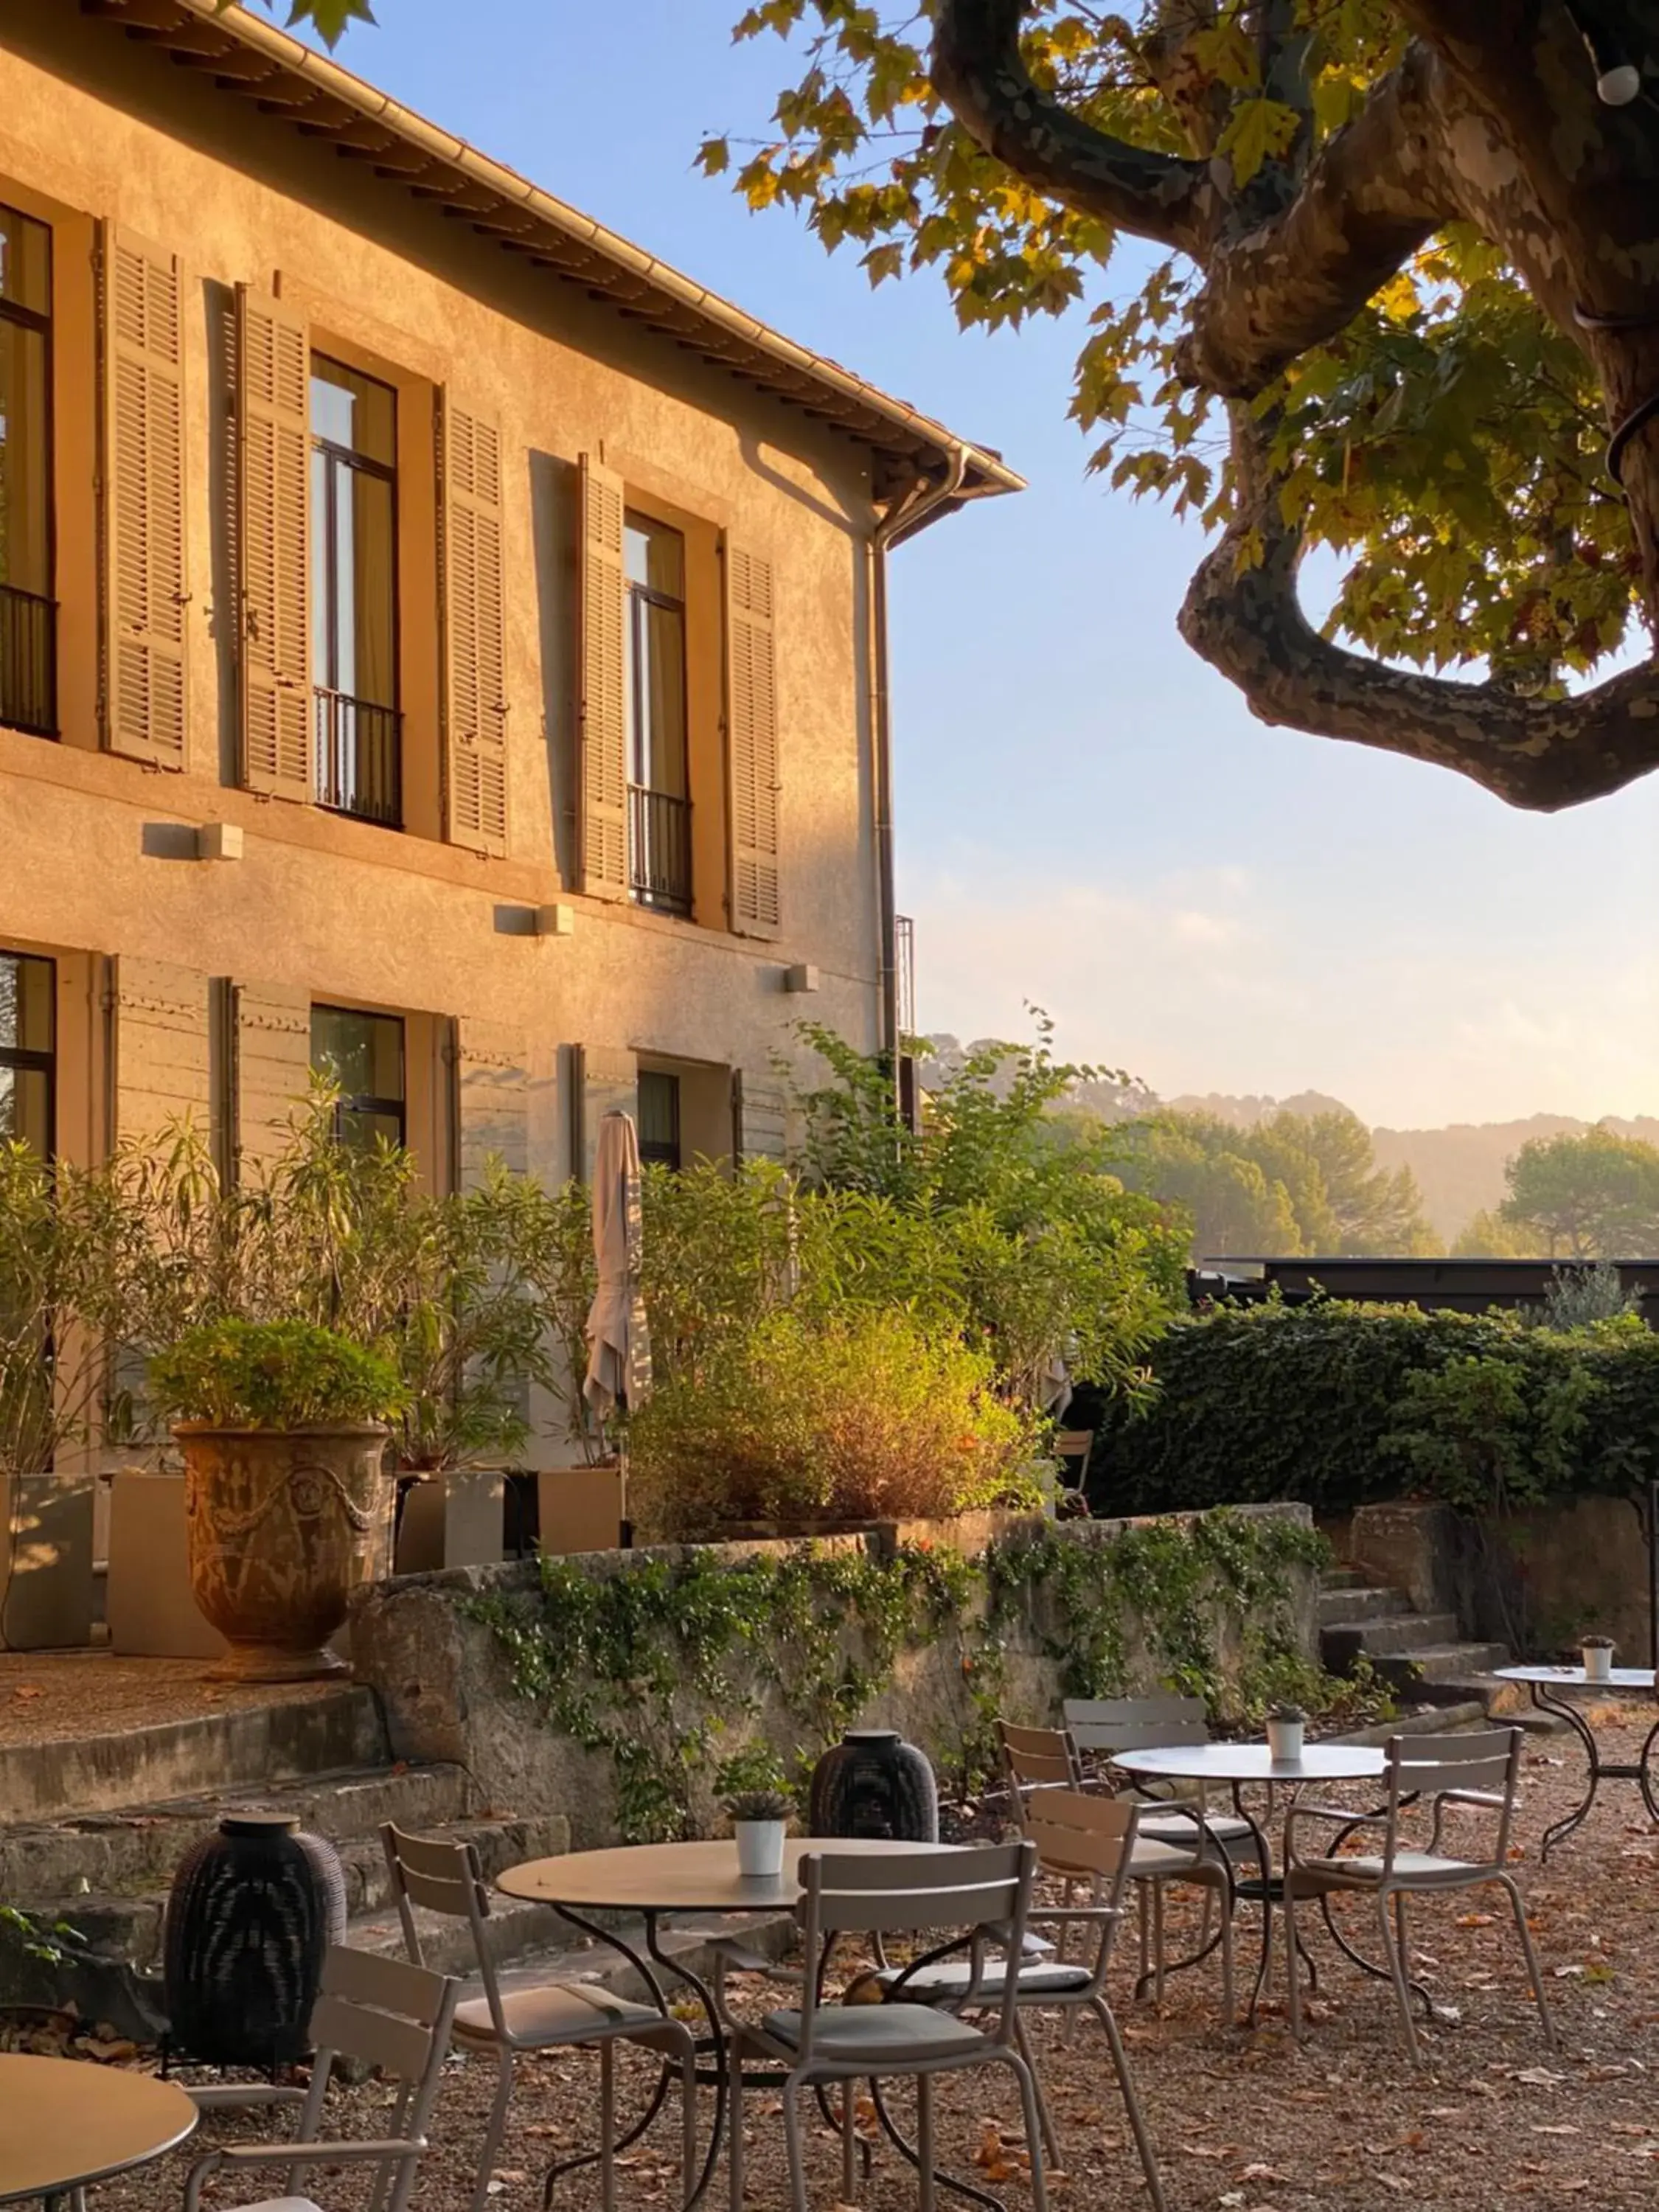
column 1598, row 1658
column 756, row 1798
column 1286, row 1727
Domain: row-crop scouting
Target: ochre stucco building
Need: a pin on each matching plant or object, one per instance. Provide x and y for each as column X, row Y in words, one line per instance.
column 437, row 640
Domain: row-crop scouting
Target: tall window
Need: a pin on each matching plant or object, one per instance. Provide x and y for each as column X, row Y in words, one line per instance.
column 354, row 555
column 660, row 1117
column 27, row 1047
column 660, row 802
column 28, row 616
column 363, row 1055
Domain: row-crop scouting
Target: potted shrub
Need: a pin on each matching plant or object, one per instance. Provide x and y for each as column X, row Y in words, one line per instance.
column 756, row 1799
column 283, row 1427
column 1287, row 1730
column 1598, row 1658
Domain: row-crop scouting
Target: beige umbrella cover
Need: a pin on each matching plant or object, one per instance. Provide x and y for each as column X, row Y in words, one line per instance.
column 618, row 1342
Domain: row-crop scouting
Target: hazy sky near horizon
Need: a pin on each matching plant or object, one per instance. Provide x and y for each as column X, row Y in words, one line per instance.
column 1088, row 819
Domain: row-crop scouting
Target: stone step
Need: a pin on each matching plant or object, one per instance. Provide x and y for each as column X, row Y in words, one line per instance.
column 1398, row 1632
column 1344, row 1577
column 1358, row 1603
column 320, row 1733
column 1450, row 1663
column 134, row 1848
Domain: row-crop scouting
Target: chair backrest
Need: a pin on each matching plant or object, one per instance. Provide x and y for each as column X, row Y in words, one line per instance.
column 1484, row 1761
column 387, row 2013
column 446, row 1878
column 984, row 1892
column 1076, row 1838
column 1037, row 1759
column 1074, row 1444
column 1108, row 1724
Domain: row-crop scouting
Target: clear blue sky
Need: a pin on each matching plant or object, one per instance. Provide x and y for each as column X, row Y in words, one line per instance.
column 1087, row 817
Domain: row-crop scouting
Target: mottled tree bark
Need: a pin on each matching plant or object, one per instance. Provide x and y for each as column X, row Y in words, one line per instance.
column 1491, row 118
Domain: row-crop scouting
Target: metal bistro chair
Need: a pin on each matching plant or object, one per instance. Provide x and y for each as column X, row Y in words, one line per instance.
column 379, row 2011
column 985, row 1891
column 1479, row 1772
column 1039, row 1760
column 1099, row 1727
column 446, row 1878
column 1076, row 1839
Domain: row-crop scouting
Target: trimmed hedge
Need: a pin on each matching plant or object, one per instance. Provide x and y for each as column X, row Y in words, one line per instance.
column 1339, row 1405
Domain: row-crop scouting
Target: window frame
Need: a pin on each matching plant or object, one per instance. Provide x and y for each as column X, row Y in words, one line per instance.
column 41, row 324
column 338, row 458
column 640, row 597
column 28, row 1060
column 391, row 1109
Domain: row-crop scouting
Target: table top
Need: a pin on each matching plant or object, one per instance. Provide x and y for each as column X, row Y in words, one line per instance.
column 1253, row 1762
column 64, row 2122
column 677, row 1877
column 1616, row 1678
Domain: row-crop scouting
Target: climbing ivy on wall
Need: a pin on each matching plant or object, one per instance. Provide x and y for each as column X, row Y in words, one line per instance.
column 664, row 1664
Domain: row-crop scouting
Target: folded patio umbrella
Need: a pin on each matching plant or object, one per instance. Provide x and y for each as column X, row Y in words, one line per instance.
column 618, row 1342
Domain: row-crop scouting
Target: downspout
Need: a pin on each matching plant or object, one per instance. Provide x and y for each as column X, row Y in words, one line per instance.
column 920, row 506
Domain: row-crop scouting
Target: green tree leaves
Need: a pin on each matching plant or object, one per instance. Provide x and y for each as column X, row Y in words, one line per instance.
column 1595, row 1195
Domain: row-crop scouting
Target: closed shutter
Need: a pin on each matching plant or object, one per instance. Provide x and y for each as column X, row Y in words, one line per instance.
column 603, row 686
column 492, row 1093
column 760, row 1113
column 273, row 1072
column 603, row 1077
column 474, row 631
column 161, row 1049
column 751, row 744
column 144, row 579
column 273, row 462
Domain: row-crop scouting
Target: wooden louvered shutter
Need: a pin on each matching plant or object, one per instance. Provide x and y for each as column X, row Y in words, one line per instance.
column 604, row 685
column 760, row 1115
column 144, row 576
column 492, row 1087
column 273, row 1072
column 474, row 631
column 273, row 468
column 751, row 744
column 160, row 1049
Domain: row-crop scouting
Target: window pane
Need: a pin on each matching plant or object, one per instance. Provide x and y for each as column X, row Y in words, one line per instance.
column 658, row 679
column 354, row 410
column 654, row 555
column 368, row 556
column 368, row 1131
column 26, row 1002
column 322, row 568
column 660, row 1117
column 25, row 1107
column 25, row 539
column 25, row 261
column 361, row 1053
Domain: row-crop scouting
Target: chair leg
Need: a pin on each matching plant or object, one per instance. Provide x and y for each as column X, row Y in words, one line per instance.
column 1158, row 1942
column 792, row 2145
column 608, row 2127
column 1525, row 1934
column 1033, row 2130
column 1050, row 2140
column 1144, row 1899
column 1108, row 2019
column 849, row 2143
column 926, row 2195
column 734, row 2122
column 1224, row 1905
column 1293, row 1962
column 1397, row 1968
column 689, row 2121
column 494, row 2129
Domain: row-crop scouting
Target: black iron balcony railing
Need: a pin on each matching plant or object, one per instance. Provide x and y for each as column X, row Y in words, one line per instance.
column 360, row 767
column 28, row 661
column 659, row 849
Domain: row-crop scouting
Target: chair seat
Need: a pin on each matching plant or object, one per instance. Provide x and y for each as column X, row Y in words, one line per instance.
column 278, row 2204
column 1365, row 1869
column 886, row 2034
column 1152, row 1858
column 559, row 2011
column 1175, row 1827
column 951, row 1978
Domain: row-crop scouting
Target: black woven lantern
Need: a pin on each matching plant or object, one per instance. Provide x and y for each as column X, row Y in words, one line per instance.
column 253, row 1911
column 874, row 1784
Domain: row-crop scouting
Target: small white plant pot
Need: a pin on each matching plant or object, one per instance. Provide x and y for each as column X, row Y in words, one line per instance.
column 1285, row 1741
column 1598, row 1662
column 760, row 1849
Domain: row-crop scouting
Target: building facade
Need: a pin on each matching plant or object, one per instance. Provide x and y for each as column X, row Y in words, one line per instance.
column 439, row 645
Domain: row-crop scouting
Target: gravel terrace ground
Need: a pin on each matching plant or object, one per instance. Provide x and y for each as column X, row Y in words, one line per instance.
column 1245, row 2121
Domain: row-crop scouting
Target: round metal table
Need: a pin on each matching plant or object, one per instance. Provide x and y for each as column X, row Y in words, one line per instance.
column 1237, row 1765
column 655, row 1880
column 65, row 2124
column 1546, row 1684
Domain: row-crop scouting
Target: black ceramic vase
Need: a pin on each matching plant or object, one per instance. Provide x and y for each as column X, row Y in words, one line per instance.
column 874, row 1784
column 251, row 1913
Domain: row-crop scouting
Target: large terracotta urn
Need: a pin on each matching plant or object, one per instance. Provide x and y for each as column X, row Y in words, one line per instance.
column 283, row 1525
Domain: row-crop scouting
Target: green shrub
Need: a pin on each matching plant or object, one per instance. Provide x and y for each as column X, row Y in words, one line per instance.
column 861, row 1417
column 272, row 1375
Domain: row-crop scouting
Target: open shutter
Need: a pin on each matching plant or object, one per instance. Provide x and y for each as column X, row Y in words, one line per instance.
column 602, row 1078
column 603, row 686
column 492, row 1090
column 273, row 465
column 143, row 535
column 160, row 1049
column 273, row 1072
column 474, row 631
column 751, row 743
